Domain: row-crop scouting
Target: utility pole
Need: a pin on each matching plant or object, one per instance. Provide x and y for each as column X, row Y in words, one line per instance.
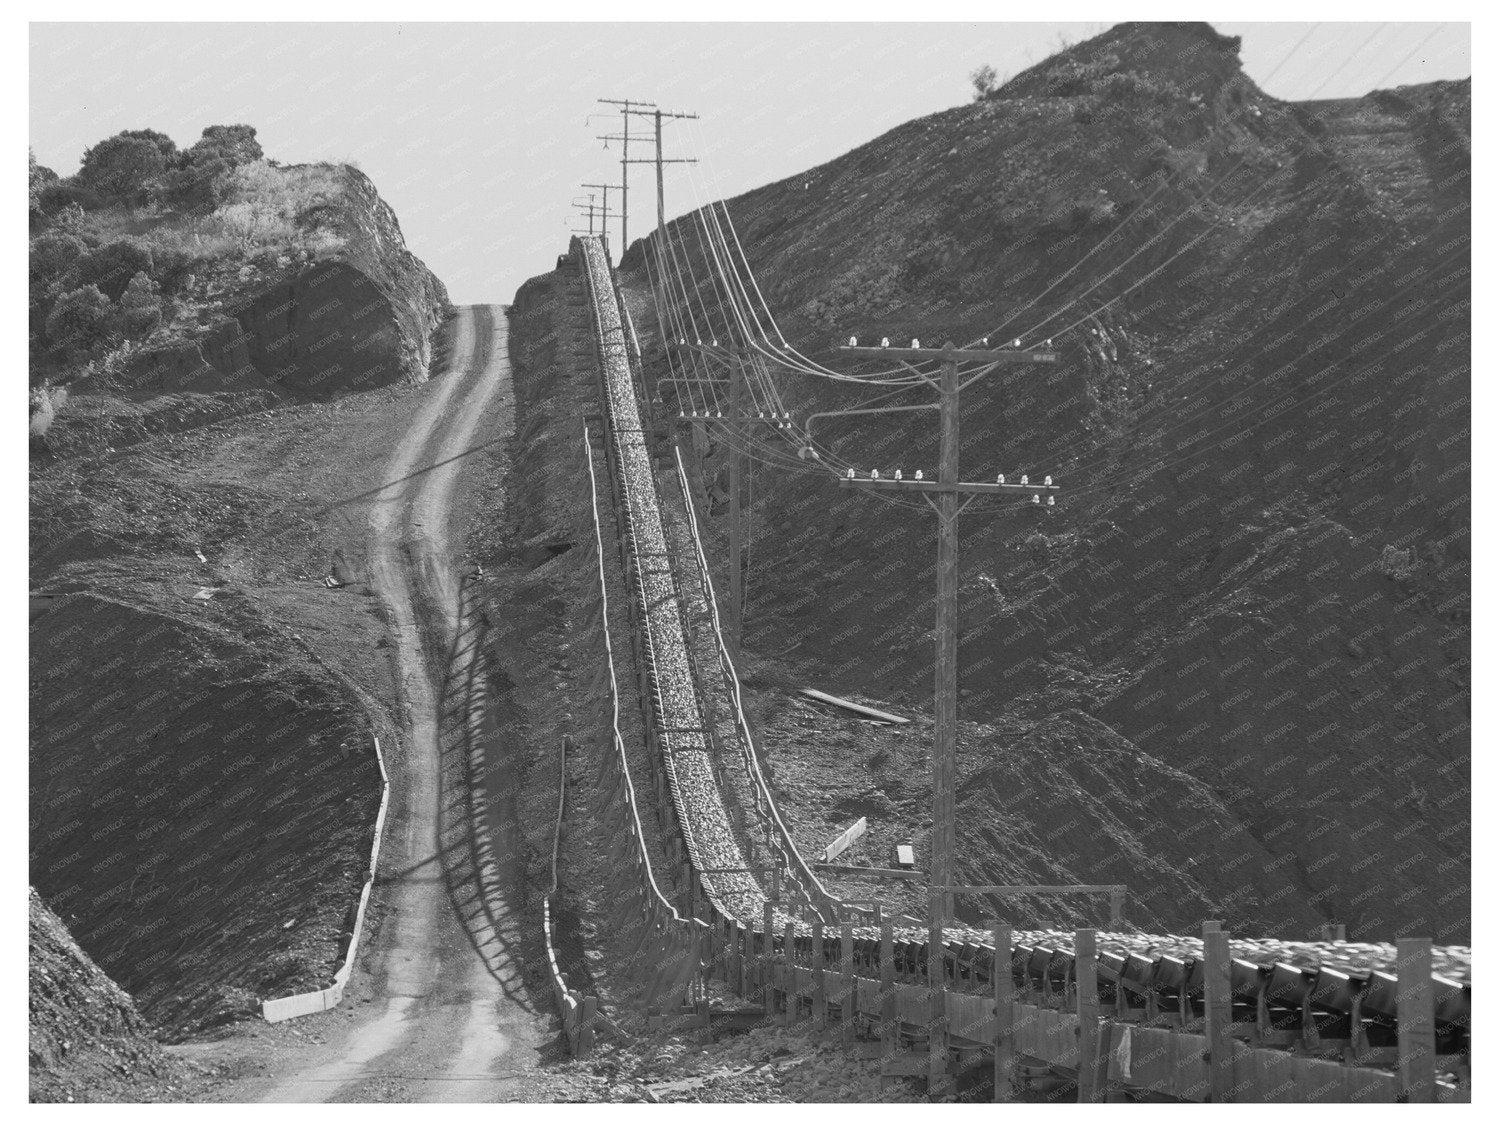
column 592, row 209
column 659, row 114
column 606, row 188
column 942, row 495
column 625, row 104
column 736, row 357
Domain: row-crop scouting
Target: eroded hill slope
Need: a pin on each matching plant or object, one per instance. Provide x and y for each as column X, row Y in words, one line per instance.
column 1247, row 620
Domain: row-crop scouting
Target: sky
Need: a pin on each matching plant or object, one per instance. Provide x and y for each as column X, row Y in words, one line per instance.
column 479, row 135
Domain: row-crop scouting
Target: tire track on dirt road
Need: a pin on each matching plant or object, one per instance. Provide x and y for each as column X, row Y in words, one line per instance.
column 451, row 1019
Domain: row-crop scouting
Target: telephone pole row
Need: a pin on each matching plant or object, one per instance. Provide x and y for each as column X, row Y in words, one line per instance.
column 630, row 108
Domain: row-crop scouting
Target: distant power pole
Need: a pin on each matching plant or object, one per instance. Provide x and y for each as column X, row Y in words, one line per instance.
column 625, row 105
column 594, row 209
column 661, row 205
column 737, row 358
column 942, row 495
column 606, row 188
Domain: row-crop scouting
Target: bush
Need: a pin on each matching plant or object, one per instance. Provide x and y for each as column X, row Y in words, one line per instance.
column 69, row 218
column 52, row 255
column 122, row 166
column 164, row 144
column 69, row 193
column 140, row 307
column 194, row 189
column 172, row 267
column 233, row 144
column 984, row 80
column 38, row 176
column 113, row 265
column 80, row 319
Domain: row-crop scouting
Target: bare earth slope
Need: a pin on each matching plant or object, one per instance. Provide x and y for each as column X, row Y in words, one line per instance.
column 88, row 1042
column 1252, row 599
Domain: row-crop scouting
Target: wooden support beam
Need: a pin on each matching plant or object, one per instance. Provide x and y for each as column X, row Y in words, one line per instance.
column 1416, row 1045
column 820, row 987
column 847, row 994
column 891, row 484
column 1086, row 974
column 1005, row 1015
column 869, row 872
column 951, row 353
column 937, row 1000
column 887, row 990
column 1218, row 1014
column 789, row 974
column 767, row 964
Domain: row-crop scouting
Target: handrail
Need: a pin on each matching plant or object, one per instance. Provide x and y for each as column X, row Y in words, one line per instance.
column 614, row 695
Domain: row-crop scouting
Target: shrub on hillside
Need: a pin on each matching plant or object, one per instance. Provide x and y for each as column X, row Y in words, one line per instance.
column 52, row 255
column 121, row 166
column 69, row 193
column 68, row 219
column 194, row 189
column 113, row 265
column 233, row 144
column 164, row 144
column 985, row 81
column 38, row 176
column 80, row 319
column 173, row 267
column 140, row 307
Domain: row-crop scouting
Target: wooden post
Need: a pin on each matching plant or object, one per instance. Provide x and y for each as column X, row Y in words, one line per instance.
column 847, row 994
column 1005, row 1015
column 887, row 989
column 586, row 1025
column 1218, row 1013
column 1416, row 1044
column 733, row 974
column 1086, row 973
column 767, row 962
column 945, row 674
column 789, row 974
column 1116, row 908
column 820, row 988
column 937, row 998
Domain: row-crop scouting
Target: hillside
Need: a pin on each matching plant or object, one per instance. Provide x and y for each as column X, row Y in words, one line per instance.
column 206, row 665
column 88, row 1042
column 156, row 306
column 1237, row 650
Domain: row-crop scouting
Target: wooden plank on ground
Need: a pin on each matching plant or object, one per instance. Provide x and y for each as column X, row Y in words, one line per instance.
column 845, row 838
column 848, row 705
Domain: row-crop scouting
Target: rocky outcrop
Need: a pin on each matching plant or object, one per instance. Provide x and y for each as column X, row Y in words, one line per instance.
column 359, row 317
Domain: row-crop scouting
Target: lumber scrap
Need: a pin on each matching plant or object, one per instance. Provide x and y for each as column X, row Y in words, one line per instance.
column 849, row 705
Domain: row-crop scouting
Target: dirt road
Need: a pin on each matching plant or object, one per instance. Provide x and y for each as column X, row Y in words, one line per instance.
column 441, row 1012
